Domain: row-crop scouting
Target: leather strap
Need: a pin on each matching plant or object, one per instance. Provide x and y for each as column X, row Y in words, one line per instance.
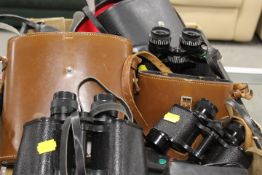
column 108, row 107
column 234, row 106
column 78, row 17
column 92, row 5
column 94, row 20
column 248, row 133
column 154, row 60
column 241, row 90
column 9, row 28
column 126, row 109
column 129, row 78
column 37, row 27
column 72, row 123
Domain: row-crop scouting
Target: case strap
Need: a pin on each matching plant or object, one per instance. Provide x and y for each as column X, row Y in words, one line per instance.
column 38, row 27
column 94, row 20
column 129, row 78
column 9, row 28
column 234, row 107
column 241, row 90
column 72, row 123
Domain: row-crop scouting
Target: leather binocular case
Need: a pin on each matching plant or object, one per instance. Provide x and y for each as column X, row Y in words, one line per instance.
column 43, row 63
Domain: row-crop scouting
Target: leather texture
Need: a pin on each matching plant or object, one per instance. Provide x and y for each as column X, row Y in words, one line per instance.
column 123, row 145
column 238, row 18
column 167, row 91
column 35, row 133
column 134, row 19
column 41, row 64
column 156, row 94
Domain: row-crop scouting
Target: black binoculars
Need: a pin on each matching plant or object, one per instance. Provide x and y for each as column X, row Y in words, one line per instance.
column 180, row 127
column 189, row 58
column 74, row 142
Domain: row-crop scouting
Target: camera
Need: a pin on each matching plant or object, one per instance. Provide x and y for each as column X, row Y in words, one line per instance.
column 180, row 127
column 190, row 57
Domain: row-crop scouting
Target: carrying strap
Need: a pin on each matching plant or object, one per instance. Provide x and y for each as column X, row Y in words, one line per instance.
column 234, row 107
column 250, row 146
column 38, row 27
column 92, row 5
column 248, row 133
column 123, row 108
column 9, row 28
column 241, row 90
column 129, row 79
column 154, row 60
column 94, row 20
column 72, row 123
column 109, row 106
column 78, row 17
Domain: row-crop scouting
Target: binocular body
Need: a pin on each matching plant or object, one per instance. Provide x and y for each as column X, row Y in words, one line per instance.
column 181, row 127
column 117, row 145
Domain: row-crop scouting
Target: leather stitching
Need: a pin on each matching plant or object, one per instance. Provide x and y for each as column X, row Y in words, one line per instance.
column 178, row 79
column 38, row 35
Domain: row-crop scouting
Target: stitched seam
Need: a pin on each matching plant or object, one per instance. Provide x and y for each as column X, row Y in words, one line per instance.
column 7, row 157
column 39, row 35
column 175, row 79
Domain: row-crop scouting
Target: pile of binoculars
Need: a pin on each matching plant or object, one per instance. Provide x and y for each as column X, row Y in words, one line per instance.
column 103, row 144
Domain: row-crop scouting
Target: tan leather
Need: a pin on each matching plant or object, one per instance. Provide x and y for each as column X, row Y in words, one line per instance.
column 43, row 63
column 159, row 93
column 130, row 87
column 241, row 90
column 154, row 60
column 155, row 94
column 60, row 23
column 238, row 18
column 248, row 133
column 209, row 3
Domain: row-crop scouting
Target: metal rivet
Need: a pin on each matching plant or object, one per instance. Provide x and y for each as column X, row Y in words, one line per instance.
column 69, row 70
column 161, row 23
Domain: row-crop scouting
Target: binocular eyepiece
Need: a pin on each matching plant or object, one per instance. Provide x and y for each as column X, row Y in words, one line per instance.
column 63, row 104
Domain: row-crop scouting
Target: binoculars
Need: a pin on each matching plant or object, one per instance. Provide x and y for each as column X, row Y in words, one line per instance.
column 73, row 142
column 189, row 58
column 180, row 127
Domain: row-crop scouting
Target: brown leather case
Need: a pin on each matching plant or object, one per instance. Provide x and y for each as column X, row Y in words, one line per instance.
column 156, row 94
column 43, row 63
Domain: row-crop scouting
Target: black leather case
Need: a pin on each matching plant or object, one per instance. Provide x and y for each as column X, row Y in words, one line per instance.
column 134, row 19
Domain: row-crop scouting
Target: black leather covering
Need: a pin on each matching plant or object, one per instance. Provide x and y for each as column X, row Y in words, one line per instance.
column 134, row 19
column 119, row 150
column 29, row 160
